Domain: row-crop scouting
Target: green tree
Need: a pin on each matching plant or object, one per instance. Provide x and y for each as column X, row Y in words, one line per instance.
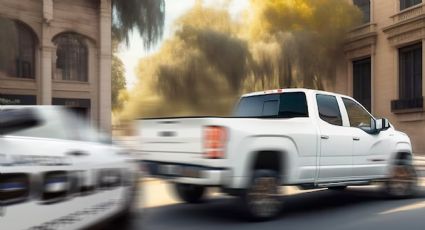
column 118, row 78
column 144, row 16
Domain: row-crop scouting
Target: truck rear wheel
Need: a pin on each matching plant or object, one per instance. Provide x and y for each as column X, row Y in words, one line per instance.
column 189, row 193
column 261, row 198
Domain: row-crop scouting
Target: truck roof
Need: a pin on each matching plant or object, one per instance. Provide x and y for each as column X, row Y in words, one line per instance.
column 274, row 91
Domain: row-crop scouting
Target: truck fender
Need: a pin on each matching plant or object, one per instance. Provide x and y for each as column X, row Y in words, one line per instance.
column 402, row 149
column 250, row 147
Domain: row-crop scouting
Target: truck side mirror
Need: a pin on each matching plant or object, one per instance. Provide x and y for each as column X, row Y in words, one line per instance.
column 386, row 123
column 380, row 124
column 13, row 120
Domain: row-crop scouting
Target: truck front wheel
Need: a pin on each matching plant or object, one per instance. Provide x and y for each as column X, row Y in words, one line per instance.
column 403, row 180
column 189, row 193
column 261, row 198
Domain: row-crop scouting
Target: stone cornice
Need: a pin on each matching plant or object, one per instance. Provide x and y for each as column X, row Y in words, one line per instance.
column 408, row 26
column 360, row 40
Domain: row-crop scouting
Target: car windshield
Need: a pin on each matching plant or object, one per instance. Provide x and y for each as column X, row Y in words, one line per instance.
column 284, row 105
column 60, row 123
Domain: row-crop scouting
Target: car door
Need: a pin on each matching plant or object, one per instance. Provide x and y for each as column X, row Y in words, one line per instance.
column 369, row 148
column 37, row 161
column 335, row 161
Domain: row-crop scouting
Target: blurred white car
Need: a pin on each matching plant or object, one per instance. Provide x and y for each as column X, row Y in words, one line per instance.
column 56, row 172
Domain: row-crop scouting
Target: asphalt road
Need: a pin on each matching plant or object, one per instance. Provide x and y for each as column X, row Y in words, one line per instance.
column 355, row 208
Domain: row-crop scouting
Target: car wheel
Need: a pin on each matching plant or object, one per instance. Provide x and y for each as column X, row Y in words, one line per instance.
column 190, row 193
column 261, row 198
column 403, row 180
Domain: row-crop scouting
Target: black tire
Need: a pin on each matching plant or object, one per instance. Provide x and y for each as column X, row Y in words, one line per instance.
column 403, row 180
column 338, row 188
column 261, row 199
column 190, row 193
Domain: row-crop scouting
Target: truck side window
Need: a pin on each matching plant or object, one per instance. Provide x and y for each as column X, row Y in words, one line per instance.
column 357, row 115
column 270, row 108
column 329, row 109
column 283, row 105
column 293, row 105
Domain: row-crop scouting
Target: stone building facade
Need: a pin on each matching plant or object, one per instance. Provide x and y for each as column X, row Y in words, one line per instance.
column 384, row 64
column 57, row 52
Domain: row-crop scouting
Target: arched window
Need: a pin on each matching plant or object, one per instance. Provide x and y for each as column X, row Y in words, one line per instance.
column 71, row 57
column 17, row 49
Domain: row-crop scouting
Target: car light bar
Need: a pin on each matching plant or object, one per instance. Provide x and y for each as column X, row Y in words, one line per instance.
column 55, row 186
column 109, row 178
column 14, row 187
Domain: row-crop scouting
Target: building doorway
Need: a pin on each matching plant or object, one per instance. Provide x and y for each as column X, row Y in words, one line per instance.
column 362, row 78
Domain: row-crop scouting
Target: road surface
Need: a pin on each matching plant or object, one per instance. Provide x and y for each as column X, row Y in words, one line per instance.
column 356, row 208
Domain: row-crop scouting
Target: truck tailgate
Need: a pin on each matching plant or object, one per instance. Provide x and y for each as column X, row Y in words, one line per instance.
column 172, row 136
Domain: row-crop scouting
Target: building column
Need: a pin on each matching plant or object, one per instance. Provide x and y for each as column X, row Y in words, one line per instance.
column 46, row 51
column 46, row 69
column 105, row 62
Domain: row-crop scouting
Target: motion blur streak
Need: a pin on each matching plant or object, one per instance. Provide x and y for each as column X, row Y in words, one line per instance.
column 410, row 207
column 59, row 172
column 212, row 58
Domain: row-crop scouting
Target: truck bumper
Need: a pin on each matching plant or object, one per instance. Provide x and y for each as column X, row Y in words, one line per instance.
column 188, row 174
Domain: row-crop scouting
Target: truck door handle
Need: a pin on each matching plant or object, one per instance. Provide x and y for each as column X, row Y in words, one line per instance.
column 77, row 153
column 356, row 138
column 324, row 136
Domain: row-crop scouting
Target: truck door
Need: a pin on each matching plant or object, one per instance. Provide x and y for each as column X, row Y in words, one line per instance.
column 335, row 161
column 369, row 149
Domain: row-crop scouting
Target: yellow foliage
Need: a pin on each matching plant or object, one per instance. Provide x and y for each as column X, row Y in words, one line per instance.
column 201, row 17
column 211, row 59
column 268, row 17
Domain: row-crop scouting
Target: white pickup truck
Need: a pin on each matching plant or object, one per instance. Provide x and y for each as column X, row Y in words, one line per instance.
column 308, row 138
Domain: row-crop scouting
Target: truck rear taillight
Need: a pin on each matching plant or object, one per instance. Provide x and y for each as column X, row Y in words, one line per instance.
column 215, row 138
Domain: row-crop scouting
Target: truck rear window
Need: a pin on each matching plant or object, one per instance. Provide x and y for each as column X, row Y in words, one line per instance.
column 284, row 105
